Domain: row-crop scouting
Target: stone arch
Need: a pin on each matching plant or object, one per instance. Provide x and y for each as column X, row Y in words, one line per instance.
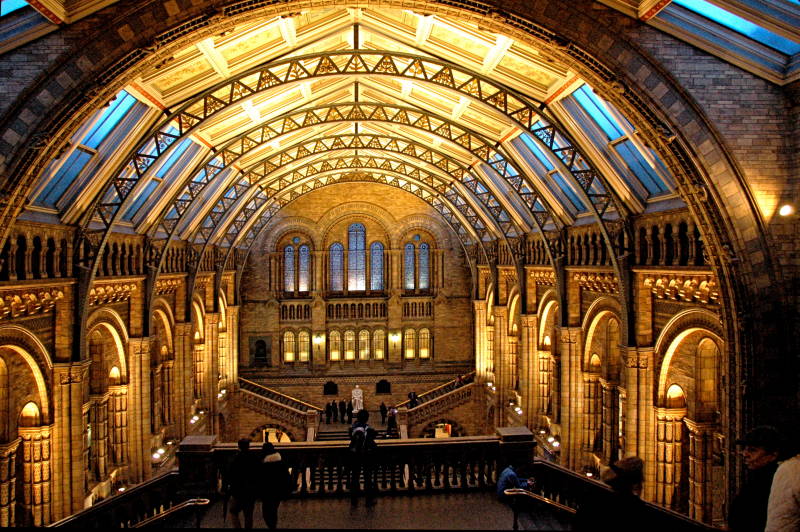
column 278, row 227
column 256, row 433
column 514, row 311
column 599, row 321
column 20, row 342
column 425, row 223
column 198, row 319
column 111, row 322
column 222, row 299
column 333, row 216
column 546, row 311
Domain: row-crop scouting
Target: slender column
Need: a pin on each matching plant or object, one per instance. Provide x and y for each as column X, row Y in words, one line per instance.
column 98, row 418
column 610, row 420
column 139, row 406
column 233, row 346
column 35, row 472
column 481, row 357
column 69, row 443
column 184, row 377
column 545, row 376
column 571, row 389
column 167, row 381
column 700, row 446
column 529, row 372
column 592, row 409
column 212, row 368
column 669, row 453
column 118, row 424
column 8, row 481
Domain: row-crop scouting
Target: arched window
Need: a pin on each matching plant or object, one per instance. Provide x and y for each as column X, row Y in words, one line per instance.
column 288, row 269
column 349, row 345
column 408, row 267
column 303, row 345
column 335, row 345
column 376, row 266
column 304, row 269
column 356, row 258
column 337, row 267
column 410, row 342
column 363, row 345
column 288, row 346
column 424, row 343
column 378, row 343
column 424, row 266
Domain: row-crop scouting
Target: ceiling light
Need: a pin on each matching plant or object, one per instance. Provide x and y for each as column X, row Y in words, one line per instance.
column 786, row 210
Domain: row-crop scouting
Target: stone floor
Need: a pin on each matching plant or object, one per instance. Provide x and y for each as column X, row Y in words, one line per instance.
column 467, row 511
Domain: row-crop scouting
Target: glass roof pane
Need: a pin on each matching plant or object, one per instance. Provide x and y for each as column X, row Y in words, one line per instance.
column 140, row 199
column 534, row 148
column 59, row 183
column 577, row 204
column 640, row 168
column 110, row 118
column 740, row 25
column 7, row 6
column 595, row 108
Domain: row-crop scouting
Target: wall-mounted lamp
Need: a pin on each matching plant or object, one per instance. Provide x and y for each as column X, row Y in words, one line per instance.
column 786, row 209
column 546, row 341
column 319, row 339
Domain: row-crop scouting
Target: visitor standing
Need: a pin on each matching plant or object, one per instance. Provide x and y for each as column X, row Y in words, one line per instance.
column 391, row 426
column 342, row 410
column 783, row 509
column 350, row 412
column 762, row 447
column 384, row 411
column 241, row 482
column 275, row 484
column 328, row 413
column 362, row 451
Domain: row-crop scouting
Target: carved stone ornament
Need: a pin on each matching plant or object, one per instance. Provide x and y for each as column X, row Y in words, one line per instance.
column 544, row 277
column 167, row 286
column 111, row 293
column 636, row 361
column 597, row 282
column 701, row 288
column 19, row 303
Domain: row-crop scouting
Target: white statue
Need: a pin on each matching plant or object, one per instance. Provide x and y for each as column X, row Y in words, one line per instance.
column 358, row 399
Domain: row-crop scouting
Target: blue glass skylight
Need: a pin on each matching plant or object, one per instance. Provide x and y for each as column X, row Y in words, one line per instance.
column 740, row 25
column 64, row 177
column 174, row 156
column 592, row 104
column 534, row 148
column 110, row 118
column 140, row 199
column 9, row 6
column 639, row 166
column 577, row 204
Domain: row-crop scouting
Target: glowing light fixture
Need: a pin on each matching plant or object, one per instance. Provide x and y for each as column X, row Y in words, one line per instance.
column 786, row 210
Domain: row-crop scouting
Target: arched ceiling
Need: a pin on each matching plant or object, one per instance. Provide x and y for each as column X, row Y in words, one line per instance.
column 429, row 104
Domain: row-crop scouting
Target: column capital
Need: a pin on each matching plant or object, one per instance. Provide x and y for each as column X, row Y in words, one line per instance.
column 7, row 449
column 699, row 428
column 670, row 413
column 529, row 320
column 569, row 335
column 637, row 357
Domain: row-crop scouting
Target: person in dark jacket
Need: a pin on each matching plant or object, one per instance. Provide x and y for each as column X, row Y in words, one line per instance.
column 334, row 410
column 241, row 480
column 361, row 451
column 761, row 449
column 384, row 410
column 621, row 509
column 342, row 411
column 349, row 412
column 328, row 413
column 275, row 482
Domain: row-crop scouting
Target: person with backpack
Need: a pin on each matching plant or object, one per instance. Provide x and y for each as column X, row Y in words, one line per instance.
column 276, row 484
column 362, row 450
column 240, row 482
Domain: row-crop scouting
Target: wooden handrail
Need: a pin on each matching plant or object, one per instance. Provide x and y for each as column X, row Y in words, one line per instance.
column 275, row 392
column 172, row 511
column 515, row 492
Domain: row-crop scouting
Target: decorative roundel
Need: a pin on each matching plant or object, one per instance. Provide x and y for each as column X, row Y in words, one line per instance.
column 296, row 240
column 416, row 237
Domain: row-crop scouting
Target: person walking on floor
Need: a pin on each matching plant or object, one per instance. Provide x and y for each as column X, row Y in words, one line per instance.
column 334, row 410
column 384, row 411
column 350, row 412
column 240, row 484
column 275, row 484
column 328, row 413
column 362, row 451
column 342, row 410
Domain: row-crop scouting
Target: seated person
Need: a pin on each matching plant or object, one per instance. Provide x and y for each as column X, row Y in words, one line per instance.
column 508, row 480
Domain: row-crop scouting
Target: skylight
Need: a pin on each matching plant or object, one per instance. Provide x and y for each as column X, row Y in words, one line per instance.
column 9, row 6
column 740, row 25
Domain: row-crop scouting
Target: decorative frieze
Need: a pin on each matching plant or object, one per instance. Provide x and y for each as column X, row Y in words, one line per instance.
column 597, row 282
column 544, row 277
column 111, row 293
column 689, row 288
column 167, row 286
column 28, row 302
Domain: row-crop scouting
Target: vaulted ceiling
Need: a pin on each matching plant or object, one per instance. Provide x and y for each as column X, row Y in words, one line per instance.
column 498, row 137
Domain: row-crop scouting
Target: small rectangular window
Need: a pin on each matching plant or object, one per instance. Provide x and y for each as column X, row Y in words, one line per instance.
column 109, row 119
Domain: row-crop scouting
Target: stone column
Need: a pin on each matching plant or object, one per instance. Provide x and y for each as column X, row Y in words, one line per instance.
column 233, row 347
column 8, row 481
column 212, row 369
column 529, row 372
column 167, row 392
column 184, row 377
column 640, row 426
column 700, row 485
column 543, row 386
column 669, row 453
column 592, row 411
column 481, row 357
column 139, row 406
column 98, row 419
column 118, row 424
column 571, row 386
column 35, row 473
column 69, row 442
column 610, row 420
